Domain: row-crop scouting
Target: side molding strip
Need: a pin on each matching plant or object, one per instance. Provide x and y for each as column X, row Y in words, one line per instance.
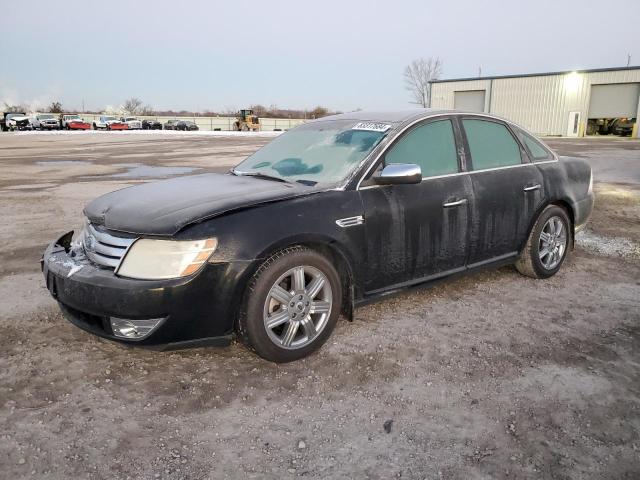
column 350, row 221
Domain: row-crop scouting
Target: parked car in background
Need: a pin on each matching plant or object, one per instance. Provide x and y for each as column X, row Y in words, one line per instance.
column 46, row 121
column 623, row 126
column 330, row 215
column 132, row 123
column 170, row 124
column 108, row 122
column 16, row 121
column 149, row 124
column 186, row 125
column 73, row 122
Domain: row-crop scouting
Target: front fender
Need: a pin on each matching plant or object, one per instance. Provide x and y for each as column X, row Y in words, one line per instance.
column 252, row 234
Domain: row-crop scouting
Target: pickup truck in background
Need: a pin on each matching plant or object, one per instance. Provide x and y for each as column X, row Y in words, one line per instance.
column 15, row 121
column 108, row 122
column 46, row 121
column 132, row 123
column 73, row 122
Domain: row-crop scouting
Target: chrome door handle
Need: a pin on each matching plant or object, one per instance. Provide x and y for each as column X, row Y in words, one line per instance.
column 532, row 188
column 457, row 203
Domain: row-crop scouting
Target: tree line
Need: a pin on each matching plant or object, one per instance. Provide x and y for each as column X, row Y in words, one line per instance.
column 135, row 106
column 418, row 76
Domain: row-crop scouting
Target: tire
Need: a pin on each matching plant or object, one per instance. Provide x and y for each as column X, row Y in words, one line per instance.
column 544, row 253
column 322, row 290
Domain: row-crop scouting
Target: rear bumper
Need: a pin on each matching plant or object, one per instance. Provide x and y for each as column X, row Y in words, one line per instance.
column 582, row 211
column 195, row 311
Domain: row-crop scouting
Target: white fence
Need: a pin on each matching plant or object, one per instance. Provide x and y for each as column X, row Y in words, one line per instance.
column 219, row 123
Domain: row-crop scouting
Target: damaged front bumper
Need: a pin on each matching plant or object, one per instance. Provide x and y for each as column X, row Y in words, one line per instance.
column 176, row 313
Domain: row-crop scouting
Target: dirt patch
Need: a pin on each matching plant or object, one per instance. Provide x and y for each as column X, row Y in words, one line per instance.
column 492, row 375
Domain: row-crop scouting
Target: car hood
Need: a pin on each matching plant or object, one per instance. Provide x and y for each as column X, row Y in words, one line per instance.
column 167, row 206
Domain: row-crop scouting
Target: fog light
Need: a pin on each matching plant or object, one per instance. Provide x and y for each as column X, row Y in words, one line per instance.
column 135, row 329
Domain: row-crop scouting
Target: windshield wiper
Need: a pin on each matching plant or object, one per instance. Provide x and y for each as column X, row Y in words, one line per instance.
column 264, row 176
column 309, row 183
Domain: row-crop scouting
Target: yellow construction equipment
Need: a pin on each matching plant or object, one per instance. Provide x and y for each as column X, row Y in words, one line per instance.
column 246, row 121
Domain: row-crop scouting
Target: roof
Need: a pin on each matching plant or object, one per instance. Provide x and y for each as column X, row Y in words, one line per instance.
column 542, row 74
column 391, row 116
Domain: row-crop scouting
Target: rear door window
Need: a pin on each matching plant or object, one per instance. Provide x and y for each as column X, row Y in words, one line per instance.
column 432, row 146
column 491, row 144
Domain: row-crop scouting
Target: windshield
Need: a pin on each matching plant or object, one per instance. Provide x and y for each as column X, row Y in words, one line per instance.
column 109, row 118
column 73, row 117
column 45, row 117
column 319, row 152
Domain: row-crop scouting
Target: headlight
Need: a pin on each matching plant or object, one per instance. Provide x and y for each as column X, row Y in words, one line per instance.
column 149, row 259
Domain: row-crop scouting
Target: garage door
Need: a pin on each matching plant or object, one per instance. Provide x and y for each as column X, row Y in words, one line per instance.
column 470, row 100
column 614, row 100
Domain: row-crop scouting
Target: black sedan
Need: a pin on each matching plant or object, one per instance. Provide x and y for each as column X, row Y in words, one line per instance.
column 332, row 214
column 149, row 124
column 186, row 125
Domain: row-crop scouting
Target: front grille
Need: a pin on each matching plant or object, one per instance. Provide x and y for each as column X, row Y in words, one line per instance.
column 104, row 248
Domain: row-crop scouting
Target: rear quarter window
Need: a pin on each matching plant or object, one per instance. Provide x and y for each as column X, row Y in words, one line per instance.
column 535, row 149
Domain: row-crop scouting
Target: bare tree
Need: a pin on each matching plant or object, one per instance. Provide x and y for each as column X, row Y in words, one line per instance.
column 319, row 112
column 133, row 105
column 147, row 110
column 55, row 107
column 417, row 76
column 13, row 108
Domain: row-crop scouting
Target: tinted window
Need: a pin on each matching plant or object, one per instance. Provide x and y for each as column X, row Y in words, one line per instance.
column 432, row 146
column 535, row 149
column 491, row 144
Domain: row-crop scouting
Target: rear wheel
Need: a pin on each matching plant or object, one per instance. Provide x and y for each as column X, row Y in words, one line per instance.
column 548, row 244
column 292, row 305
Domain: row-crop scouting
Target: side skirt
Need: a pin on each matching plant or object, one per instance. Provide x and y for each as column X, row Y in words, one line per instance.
column 436, row 279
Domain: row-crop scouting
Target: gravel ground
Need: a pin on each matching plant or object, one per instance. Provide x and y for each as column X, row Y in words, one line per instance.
column 492, row 375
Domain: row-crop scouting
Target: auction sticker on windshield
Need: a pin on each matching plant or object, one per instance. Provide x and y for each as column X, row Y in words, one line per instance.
column 372, row 126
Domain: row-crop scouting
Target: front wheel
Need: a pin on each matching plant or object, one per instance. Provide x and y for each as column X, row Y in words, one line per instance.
column 548, row 244
column 291, row 306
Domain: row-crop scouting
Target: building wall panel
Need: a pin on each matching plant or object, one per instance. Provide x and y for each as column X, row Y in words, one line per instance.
column 539, row 103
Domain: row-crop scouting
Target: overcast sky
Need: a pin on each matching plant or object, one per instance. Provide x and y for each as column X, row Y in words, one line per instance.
column 294, row 54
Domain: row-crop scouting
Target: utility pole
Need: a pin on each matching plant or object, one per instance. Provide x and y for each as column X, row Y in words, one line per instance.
column 479, row 71
column 628, row 59
column 83, row 105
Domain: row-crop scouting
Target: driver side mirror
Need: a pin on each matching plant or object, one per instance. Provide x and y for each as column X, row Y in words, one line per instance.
column 398, row 174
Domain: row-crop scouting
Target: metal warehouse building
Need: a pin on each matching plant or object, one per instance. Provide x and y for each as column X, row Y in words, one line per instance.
column 577, row 103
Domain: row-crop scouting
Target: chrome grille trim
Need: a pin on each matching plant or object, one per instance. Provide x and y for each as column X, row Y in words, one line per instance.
column 103, row 248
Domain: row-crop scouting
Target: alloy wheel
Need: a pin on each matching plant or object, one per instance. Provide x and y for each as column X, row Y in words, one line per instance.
column 297, row 307
column 553, row 243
